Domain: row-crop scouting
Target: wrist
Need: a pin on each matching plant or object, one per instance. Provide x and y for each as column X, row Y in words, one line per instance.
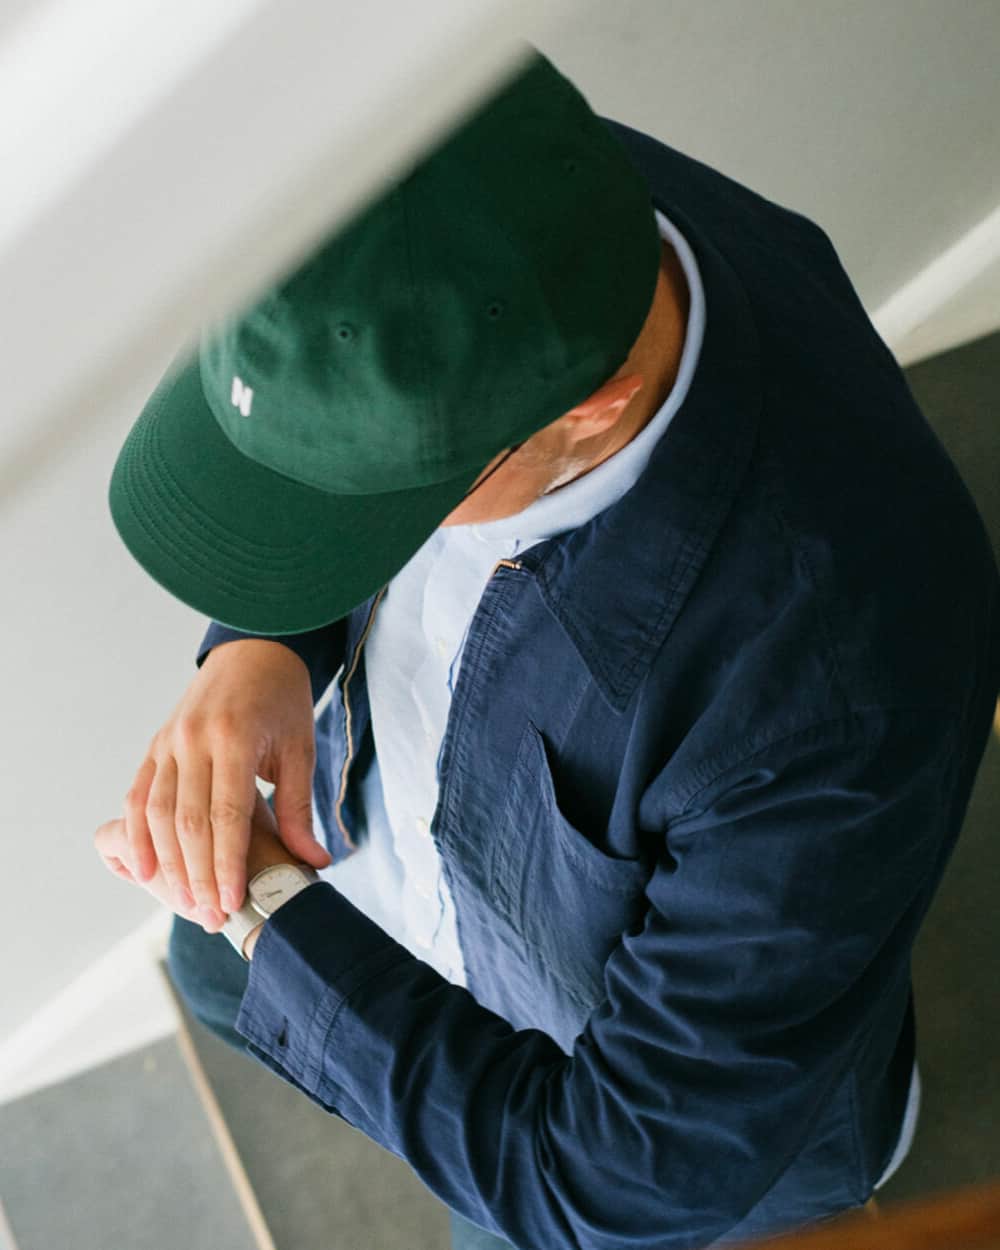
column 264, row 851
column 277, row 854
column 265, row 847
column 251, row 940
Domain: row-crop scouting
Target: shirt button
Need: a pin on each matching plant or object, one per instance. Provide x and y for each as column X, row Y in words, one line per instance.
column 423, row 889
column 423, row 827
column 442, row 648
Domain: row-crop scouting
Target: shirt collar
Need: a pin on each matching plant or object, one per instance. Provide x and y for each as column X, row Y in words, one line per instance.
column 663, row 528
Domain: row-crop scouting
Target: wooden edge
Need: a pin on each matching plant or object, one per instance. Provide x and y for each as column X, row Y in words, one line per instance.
column 6, row 1232
column 220, row 1129
column 959, row 1219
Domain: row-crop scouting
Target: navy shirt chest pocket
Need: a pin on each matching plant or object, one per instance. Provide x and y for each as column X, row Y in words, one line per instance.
column 569, row 900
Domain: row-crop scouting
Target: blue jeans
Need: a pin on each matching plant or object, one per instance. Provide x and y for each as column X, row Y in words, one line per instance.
column 211, row 977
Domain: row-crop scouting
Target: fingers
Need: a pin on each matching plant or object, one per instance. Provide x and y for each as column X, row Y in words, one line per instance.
column 192, row 825
column 119, row 868
column 191, row 808
column 141, row 854
column 188, row 815
column 160, row 811
column 111, row 843
column 234, row 793
column 293, row 804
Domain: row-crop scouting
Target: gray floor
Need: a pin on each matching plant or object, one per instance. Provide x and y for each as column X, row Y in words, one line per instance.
column 954, row 959
column 321, row 1184
column 122, row 1156
column 118, row 1158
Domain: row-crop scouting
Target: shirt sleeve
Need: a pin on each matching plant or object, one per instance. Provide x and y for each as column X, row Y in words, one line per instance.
column 322, row 649
column 783, row 901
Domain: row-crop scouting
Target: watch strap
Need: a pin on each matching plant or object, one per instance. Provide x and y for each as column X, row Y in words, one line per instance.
column 240, row 923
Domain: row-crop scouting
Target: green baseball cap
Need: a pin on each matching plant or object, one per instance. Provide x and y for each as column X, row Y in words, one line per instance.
column 285, row 471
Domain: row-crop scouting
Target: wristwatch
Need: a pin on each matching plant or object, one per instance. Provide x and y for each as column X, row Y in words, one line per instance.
column 266, row 891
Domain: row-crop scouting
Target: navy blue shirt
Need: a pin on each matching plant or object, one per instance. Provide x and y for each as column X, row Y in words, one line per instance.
column 706, row 760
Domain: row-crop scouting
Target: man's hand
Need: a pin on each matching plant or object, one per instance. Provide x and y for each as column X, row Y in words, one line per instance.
column 248, row 712
column 265, row 848
column 111, row 842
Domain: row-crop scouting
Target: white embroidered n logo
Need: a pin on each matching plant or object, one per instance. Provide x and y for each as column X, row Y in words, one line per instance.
column 242, row 396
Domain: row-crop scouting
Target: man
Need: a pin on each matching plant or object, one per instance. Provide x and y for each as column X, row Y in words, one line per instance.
column 663, row 637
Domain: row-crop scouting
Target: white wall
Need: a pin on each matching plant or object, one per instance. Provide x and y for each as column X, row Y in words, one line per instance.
column 161, row 162
column 93, row 656
column 877, row 120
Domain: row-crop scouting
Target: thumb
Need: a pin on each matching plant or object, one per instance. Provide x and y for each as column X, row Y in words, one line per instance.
column 293, row 809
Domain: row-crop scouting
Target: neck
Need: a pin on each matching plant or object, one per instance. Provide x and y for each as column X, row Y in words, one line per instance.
column 658, row 354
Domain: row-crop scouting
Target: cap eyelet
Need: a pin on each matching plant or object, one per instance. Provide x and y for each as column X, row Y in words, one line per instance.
column 494, row 309
column 571, row 164
column 345, row 332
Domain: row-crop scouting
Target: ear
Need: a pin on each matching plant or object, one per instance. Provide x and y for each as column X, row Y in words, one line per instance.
column 600, row 411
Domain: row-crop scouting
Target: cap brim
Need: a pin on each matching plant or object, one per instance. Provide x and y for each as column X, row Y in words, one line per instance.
column 243, row 544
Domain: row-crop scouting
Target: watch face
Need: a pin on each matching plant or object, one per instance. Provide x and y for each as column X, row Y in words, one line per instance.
column 276, row 884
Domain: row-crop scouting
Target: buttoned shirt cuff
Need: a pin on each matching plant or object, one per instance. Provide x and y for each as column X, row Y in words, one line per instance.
column 312, row 954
